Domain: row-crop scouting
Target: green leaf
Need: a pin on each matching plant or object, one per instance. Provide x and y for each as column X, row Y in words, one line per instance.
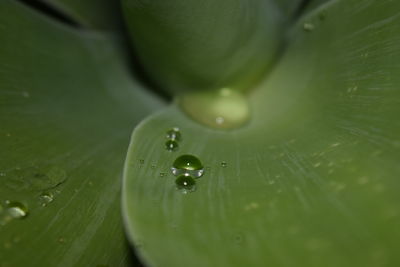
column 311, row 180
column 98, row 14
column 188, row 45
column 67, row 105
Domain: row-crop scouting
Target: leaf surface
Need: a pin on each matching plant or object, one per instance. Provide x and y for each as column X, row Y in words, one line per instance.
column 67, row 104
column 311, row 180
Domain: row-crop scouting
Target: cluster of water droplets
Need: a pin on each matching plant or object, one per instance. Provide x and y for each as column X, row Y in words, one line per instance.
column 186, row 168
column 173, row 137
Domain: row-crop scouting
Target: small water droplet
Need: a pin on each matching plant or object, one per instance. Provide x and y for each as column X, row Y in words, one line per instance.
column 239, row 239
column 16, row 210
column 187, row 165
column 307, row 26
column 224, row 164
column 45, row 198
column 25, row 94
column 2, row 174
column 185, row 183
column 162, row 174
column 171, row 145
column 174, row 134
column 61, row 240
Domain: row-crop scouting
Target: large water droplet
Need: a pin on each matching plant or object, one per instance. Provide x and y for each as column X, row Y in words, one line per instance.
column 187, row 165
column 174, row 134
column 16, row 210
column 171, row 145
column 222, row 109
column 186, row 183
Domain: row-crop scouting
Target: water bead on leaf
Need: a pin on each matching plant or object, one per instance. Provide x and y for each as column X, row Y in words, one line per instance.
column 188, row 165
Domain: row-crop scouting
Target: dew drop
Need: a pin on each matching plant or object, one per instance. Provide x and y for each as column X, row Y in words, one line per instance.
column 162, row 174
column 16, row 210
column 187, row 165
column 185, row 183
column 25, row 94
column 174, row 134
column 224, row 164
column 307, row 26
column 171, row 145
column 45, row 198
column 221, row 109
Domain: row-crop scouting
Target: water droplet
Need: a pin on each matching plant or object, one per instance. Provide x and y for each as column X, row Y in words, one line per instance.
column 45, row 198
column 239, row 239
column 162, row 174
column 307, row 26
column 17, row 210
column 61, row 240
column 221, row 109
column 171, row 145
column 186, row 183
column 174, row 134
column 56, row 176
column 187, row 165
column 2, row 174
column 25, row 94
column 224, row 164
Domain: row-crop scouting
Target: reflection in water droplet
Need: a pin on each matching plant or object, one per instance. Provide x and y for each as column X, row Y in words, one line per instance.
column 307, row 26
column 219, row 120
column 222, row 109
column 16, row 210
column 171, row 145
column 174, row 134
column 188, row 165
column 45, row 198
column 185, row 184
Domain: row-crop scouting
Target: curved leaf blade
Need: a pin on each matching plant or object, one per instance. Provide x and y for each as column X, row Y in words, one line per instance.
column 67, row 104
column 311, row 181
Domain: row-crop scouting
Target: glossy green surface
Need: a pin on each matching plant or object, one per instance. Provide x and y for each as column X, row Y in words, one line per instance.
column 311, row 180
